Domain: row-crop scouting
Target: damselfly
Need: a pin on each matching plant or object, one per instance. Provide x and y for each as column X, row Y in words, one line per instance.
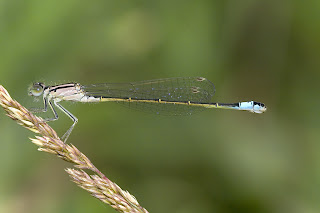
column 170, row 96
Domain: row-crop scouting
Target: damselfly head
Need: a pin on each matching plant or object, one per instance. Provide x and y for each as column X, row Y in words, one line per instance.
column 36, row 89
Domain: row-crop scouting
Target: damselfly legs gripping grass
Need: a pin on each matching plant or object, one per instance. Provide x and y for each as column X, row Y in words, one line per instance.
column 170, row 96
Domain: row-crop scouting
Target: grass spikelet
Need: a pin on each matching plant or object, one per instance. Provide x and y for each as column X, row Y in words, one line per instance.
column 98, row 185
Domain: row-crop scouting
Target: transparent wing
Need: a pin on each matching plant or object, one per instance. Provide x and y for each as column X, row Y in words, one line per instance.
column 193, row 89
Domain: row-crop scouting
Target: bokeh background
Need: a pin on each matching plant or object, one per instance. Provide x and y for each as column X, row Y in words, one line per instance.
column 215, row 161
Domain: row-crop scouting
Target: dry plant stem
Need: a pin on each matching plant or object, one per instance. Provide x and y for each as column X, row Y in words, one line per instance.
column 98, row 185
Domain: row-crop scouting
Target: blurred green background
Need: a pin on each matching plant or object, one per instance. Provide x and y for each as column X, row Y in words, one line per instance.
column 214, row 161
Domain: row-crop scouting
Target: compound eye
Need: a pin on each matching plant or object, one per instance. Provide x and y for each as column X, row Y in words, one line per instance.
column 36, row 89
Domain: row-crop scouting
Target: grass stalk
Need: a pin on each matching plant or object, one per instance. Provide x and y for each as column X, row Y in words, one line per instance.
column 98, row 185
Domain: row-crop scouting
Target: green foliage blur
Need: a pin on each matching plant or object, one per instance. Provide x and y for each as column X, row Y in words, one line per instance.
column 215, row 161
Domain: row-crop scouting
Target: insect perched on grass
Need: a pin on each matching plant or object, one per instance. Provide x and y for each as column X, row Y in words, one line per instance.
column 169, row 96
